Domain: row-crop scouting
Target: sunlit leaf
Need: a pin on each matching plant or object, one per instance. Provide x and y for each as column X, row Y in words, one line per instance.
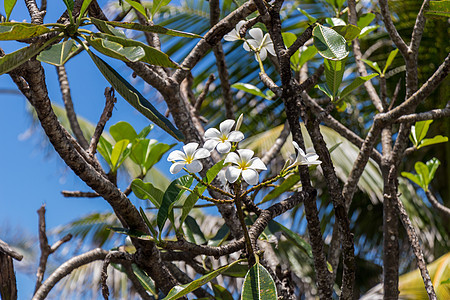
column 249, row 88
column 122, row 130
column 138, row 6
column 349, row 32
column 390, row 60
column 355, row 84
column 9, row 6
column 258, row 284
column 334, row 72
column 435, row 140
column 20, row 31
column 119, row 152
column 193, row 232
column 329, row 43
column 439, row 8
column 58, row 54
column 146, row 190
column 373, row 65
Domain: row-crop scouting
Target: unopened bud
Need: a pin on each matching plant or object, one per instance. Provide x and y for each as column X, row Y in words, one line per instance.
column 239, row 122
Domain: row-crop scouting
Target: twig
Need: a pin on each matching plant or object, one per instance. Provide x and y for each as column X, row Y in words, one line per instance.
column 301, row 40
column 393, row 33
column 441, row 208
column 276, row 147
column 46, row 249
column 5, row 248
column 116, row 256
column 106, row 114
column 415, row 245
column 418, row 29
column 202, row 96
column 240, row 213
column 70, row 111
column 429, row 115
column 395, row 95
column 79, row 194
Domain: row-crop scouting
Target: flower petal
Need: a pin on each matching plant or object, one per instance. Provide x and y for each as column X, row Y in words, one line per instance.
column 176, row 167
column 235, row 136
column 250, row 176
column 232, row 174
column 257, row 34
column 232, row 157
column 210, row 144
column 239, row 25
column 224, row 147
column 256, row 163
column 190, row 148
column 225, row 126
column 212, row 133
column 231, row 36
column 195, row 166
column 201, row 153
column 263, row 53
column 176, row 155
column 245, row 154
column 269, row 47
column 246, row 47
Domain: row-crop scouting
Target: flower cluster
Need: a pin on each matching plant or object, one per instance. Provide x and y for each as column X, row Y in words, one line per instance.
column 260, row 43
column 241, row 162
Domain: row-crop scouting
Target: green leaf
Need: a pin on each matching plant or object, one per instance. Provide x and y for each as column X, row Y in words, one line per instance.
column 432, row 166
column 145, row 131
column 182, row 290
column 157, row 4
column 289, row 38
column 146, row 153
column 249, row 88
column 123, row 130
column 419, row 130
column 325, row 89
column 171, row 195
column 195, row 234
column 20, row 31
column 258, row 284
column 435, row 140
column 423, row 173
column 58, row 54
column 148, row 28
column 445, row 281
column 365, row 20
column 335, row 22
column 199, row 189
column 83, row 9
column 349, row 32
column 149, row 224
column 69, row 4
column 285, row 186
column 115, row 50
column 329, row 43
column 9, row 6
column 138, row 6
column 132, row 233
column 414, row 178
column 144, row 279
column 390, row 60
column 366, row 30
column 307, row 55
column 334, row 72
column 221, row 293
column 119, row 152
column 221, row 236
column 311, row 19
column 105, row 149
column 355, row 84
column 439, row 8
column 129, row 93
column 372, row 64
column 146, row 190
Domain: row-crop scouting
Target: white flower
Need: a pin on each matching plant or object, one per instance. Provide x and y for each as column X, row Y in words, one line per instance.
column 246, row 165
column 262, row 43
column 233, row 35
column 221, row 139
column 189, row 158
column 303, row 159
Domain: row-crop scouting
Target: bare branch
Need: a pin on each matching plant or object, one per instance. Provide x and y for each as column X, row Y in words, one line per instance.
column 393, row 33
column 70, row 111
column 437, row 205
column 414, row 241
column 79, row 194
column 429, row 115
column 6, row 249
column 106, row 114
column 279, row 142
column 202, row 96
column 35, row 14
column 418, row 29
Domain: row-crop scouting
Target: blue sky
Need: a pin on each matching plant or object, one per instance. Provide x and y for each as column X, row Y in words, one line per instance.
column 31, row 173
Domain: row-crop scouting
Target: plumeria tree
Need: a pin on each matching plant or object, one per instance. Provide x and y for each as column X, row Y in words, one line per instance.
column 303, row 57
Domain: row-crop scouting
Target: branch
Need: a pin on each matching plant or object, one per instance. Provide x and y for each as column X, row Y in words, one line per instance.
column 429, row 115
column 66, row 268
column 393, row 33
column 418, row 29
column 437, row 205
column 116, row 255
column 106, row 114
column 414, row 241
column 202, row 96
column 70, row 111
column 35, row 14
column 6, row 249
column 300, row 41
column 79, row 194
column 136, row 283
column 276, row 147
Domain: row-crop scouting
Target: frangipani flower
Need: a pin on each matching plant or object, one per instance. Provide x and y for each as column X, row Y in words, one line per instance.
column 222, row 139
column 245, row 165
column 189, row 158
column 233, row 35
column 303, row 159
column 262, row 43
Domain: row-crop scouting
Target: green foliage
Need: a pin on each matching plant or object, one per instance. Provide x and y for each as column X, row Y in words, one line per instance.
column 193, row 232
column 58, row 54
column 138, row 6
column 330, row 44
column 19, row 31
column 424, row 173
column 418, row 132
column 258, row 284
column 357, row 82
column 9, row 6
column 439, row 8
column 334, row 71
column 182, row 290
column 349, row 32
column 251, row 89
